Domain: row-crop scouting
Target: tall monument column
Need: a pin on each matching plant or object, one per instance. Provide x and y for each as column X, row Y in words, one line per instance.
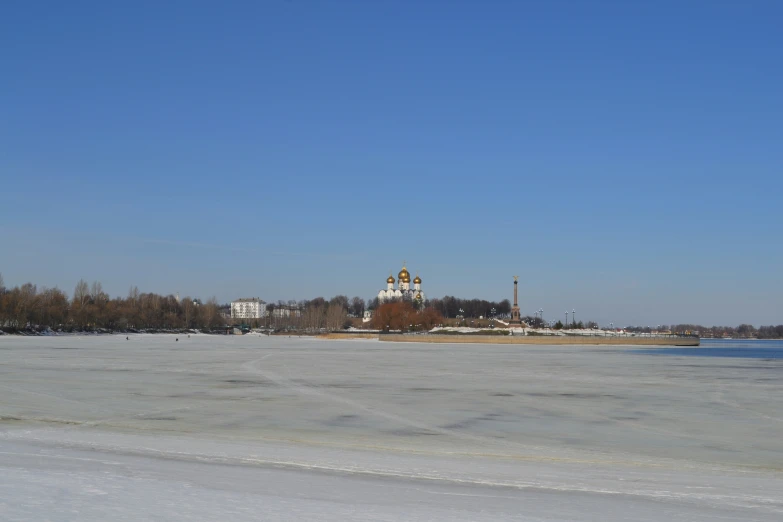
column 515, row 316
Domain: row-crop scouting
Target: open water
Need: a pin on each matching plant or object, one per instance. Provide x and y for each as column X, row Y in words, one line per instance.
column 735, row 348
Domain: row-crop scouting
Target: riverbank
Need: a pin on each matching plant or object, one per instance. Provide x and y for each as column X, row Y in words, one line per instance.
column 540, row 339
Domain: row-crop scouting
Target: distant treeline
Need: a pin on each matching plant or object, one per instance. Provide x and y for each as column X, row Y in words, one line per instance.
column 450, row 306
column 311, row 315
column 90, row 308
column 27, row 307
column 743, row 331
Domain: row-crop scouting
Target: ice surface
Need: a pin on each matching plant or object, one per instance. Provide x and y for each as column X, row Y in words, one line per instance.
column 277, row 428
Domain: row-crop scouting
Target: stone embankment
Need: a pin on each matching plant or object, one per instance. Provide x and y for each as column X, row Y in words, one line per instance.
column 542, row 339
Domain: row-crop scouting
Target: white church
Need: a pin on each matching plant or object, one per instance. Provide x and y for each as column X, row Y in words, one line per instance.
column 403, row 290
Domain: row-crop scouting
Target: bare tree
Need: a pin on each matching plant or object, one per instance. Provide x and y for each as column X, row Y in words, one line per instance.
column 81, row 293
column 99, row 300
column 335, row 317
column 96, row 291
column 209, row 313
column 313, row 318
column 357, row 306
column 26, row 304
column 339, row 300
column 53, row 307
column 133, row 308
column 187, row 307
column 270, row 314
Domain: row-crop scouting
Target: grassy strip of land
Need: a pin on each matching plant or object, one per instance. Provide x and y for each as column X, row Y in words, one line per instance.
column 479, row 332
column 336, row 335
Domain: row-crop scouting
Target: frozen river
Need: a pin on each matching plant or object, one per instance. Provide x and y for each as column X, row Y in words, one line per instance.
column 272, row 428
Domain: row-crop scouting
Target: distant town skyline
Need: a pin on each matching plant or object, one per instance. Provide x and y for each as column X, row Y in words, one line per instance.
column 623, row 158
column 587, row 311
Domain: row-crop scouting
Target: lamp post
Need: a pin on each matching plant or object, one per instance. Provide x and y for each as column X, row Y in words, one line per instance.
column 541, row 316
column 573, row 318
column 566, row 323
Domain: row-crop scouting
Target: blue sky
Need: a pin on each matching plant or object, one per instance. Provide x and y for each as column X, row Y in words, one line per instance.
column 623, row 158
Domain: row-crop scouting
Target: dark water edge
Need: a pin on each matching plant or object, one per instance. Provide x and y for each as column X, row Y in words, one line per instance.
column 733, row 348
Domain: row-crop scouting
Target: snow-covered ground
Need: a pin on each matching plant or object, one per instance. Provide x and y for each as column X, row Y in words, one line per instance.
column 275, row 428
column 540, row 331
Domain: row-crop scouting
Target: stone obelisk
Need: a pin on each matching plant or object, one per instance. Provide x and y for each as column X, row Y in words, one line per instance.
column 515, row 319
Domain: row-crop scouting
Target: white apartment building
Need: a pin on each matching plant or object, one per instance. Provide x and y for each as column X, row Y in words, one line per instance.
column 248, row 308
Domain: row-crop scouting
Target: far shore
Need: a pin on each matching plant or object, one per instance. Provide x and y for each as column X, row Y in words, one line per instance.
column 451, row 337
column 521, row 339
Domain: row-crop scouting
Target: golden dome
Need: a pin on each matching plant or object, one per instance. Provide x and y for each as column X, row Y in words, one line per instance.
column 417, row 281
column 404, row 276
column 390, row 279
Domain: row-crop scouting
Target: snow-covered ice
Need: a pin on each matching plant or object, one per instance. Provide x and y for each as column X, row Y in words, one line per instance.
column 276, row 428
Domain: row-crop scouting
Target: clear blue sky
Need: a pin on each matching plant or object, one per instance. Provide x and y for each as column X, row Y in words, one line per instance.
column 624, row 158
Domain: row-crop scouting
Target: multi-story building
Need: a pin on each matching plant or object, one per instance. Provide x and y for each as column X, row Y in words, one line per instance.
column 248, row 308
